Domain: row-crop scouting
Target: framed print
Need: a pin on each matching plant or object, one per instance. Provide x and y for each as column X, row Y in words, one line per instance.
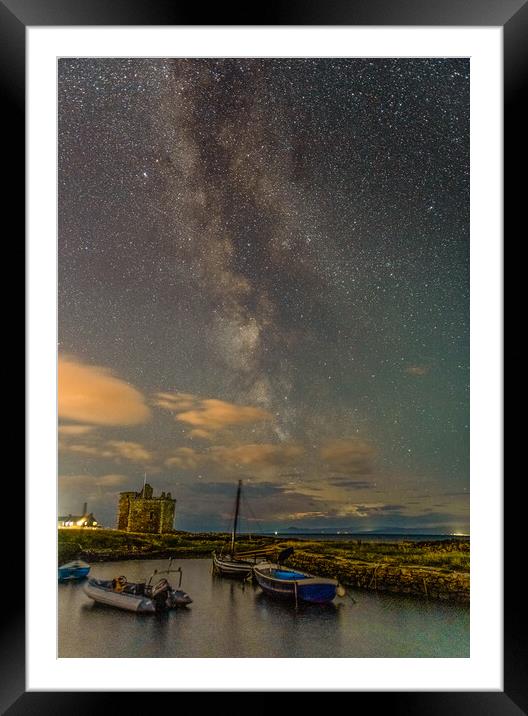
column 264, row 273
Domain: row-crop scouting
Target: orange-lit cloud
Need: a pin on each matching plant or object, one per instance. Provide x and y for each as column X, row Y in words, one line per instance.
column 217, row 414
column 90, row 394
column 175, row 402
column 252, row 455
column 110, row 449
column 202, row 434
column 209, row 415
column 353, row 456
column 257, row 454
column 75, row 429
column 93, row 450
column 131, row 451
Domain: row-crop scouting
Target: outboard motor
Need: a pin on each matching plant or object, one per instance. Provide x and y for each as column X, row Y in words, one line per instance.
column 178, row 598
column 160, row 592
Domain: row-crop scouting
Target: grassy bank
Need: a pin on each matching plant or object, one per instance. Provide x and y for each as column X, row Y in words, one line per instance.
column 438, row 570
column 110, row 545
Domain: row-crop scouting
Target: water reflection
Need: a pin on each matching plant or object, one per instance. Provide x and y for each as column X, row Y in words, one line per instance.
column 300, row 628
column 265, row 601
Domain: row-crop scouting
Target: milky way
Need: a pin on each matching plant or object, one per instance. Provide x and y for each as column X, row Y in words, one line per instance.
column 264, row 274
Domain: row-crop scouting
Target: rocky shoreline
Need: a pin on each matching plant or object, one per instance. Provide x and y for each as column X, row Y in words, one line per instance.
column 426, row 582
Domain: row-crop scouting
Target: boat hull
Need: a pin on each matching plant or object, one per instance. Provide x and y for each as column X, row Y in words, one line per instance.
column 232, row 567
column 73, row 571
column 99, row 592
column 295, row 585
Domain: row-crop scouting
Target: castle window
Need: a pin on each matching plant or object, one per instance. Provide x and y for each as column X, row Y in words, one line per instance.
column 151, row 515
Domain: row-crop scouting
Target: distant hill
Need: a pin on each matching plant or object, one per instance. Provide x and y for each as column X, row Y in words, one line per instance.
column 352, row 530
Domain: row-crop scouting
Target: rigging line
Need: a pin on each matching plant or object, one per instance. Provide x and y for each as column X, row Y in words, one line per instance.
column 241, row 517
column 229, row 521
column 228, row 525
column 249, row 509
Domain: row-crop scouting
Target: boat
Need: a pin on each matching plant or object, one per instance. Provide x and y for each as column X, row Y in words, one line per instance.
column 233, row 563
column 139, row 597
column 74, row 570
column 279, row 581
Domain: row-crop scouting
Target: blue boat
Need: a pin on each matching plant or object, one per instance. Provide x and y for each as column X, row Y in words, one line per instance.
column 76, row 569
column 279, row 581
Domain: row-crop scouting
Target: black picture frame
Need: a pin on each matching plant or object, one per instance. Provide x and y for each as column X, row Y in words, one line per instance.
column 512, row 16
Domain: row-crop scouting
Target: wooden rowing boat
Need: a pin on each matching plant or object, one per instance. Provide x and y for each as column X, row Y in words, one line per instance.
column 232, row 563
column 284, row 583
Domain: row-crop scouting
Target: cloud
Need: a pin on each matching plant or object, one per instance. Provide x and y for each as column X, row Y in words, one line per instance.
column 209, row 415
column 131, row 451
column 86, row 484
column 351, row 484
column 354, row 455
column 175, row 402
column 75, row 429
column 217, row 415
column 91, row 394
column 201, row 434
column 252, row 455
column 186, row 459
column 417, row 370
column 262, row 501
column 109, row 480
column 109, row 449
column 93, row 450
column 367, row 510
column 258, row 454
column 253, row 491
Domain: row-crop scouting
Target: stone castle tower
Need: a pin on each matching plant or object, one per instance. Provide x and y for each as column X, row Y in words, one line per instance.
column 142, row 512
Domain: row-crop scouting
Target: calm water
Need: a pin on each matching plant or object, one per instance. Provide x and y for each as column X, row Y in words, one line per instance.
column 228, row 619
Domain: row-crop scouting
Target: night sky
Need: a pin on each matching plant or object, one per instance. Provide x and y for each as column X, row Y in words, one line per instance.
column 264, row 275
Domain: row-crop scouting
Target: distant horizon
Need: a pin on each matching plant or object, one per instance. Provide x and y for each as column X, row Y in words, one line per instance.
column 314, row 531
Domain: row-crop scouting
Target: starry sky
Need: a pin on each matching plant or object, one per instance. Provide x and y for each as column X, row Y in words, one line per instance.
column 264, row 275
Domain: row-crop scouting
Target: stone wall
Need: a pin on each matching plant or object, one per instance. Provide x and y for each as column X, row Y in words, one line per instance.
column 144, row 516
column 124, row 510
column 421, row 581
column 142, row 512
column 167, row 515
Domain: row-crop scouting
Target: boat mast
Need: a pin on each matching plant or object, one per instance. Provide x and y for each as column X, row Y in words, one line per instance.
column 237, row 506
